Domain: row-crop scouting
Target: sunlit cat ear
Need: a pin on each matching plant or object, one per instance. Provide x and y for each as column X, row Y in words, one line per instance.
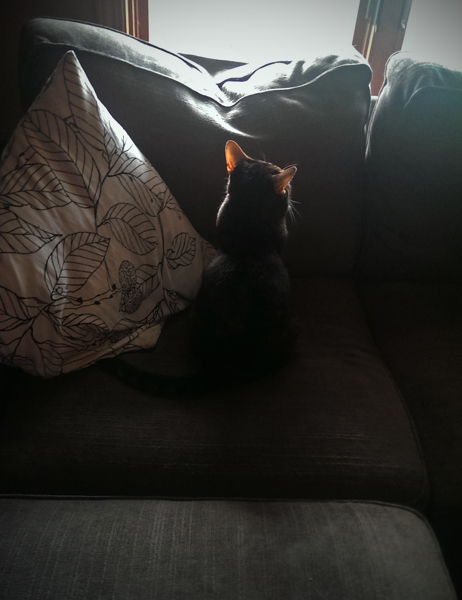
column 282, row 179
column 234, row 154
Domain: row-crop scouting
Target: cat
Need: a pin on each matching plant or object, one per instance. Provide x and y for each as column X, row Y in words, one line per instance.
column 242, row 323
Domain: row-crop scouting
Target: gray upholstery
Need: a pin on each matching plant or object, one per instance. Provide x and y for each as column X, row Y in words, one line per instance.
column 172, row 550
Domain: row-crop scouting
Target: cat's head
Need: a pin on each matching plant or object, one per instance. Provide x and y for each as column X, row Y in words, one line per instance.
column 253, row 214
column 260, row 188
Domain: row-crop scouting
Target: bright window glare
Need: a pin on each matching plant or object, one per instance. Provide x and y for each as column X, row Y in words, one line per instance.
column 252, row 29
column 434, row 30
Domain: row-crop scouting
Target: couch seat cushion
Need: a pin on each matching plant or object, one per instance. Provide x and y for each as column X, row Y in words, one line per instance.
column 329, row 424
column 140, row 549
column 418, row 329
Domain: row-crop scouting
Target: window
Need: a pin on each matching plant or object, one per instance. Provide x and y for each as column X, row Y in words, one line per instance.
column 252, row 29
column 255, row 29
column 435, row 30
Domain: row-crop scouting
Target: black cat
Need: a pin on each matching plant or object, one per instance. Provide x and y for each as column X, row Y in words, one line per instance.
column 242, row 323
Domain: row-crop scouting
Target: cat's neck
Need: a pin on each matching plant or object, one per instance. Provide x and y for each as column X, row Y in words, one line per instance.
column 241, row 237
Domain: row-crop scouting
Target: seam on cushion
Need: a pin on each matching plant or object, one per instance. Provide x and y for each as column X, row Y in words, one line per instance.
column 295, row 87
column 249, row 499
column 286, row 62
column 252, row 72
column 425, row 484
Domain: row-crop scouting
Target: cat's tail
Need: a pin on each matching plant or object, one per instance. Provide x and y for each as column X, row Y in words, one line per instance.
column 163, row 385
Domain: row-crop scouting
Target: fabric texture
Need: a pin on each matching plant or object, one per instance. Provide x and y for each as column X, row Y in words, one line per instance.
column 309, row 112
column 418, row 329
column 95, row 252
column 171, row 550
column 413, row 165
column 329, row 424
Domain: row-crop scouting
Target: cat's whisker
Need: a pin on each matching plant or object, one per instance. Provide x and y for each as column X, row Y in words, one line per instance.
column 296, row 211
column 293, row 212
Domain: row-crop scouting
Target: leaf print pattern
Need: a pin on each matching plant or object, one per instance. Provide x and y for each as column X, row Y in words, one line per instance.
column 148, row 280
column 73, row 261
column 51, row 359
column 136, row 284
column 84, row 107
column 57, row 144
column 182, row 252
column 89, row 234
column 131, row 227
column 131, row 294
column 33, row 184
column 84, row 328
column 148, row 202
column 13, row 311
column 19, row 236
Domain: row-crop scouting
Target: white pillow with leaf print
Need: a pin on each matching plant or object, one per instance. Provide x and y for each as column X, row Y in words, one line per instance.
column 95, row 252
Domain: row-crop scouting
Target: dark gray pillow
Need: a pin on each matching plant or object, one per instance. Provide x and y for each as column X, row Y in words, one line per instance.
column 414, row 168
column 180, row 114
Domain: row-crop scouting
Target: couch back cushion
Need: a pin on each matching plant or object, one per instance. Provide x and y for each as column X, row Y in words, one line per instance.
column 414, row 171
column 180, row 112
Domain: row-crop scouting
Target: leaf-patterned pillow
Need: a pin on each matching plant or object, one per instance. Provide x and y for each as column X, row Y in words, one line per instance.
column 95, row 253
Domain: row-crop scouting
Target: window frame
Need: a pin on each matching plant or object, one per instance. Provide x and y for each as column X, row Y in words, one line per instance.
column 129, row 16
column 137, row 18
column 379, row 33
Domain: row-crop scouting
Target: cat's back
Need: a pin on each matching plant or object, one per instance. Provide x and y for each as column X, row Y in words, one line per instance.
column 239, row 281
column 242, row 317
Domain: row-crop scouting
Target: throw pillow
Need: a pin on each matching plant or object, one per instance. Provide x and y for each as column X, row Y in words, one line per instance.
column 95, row 253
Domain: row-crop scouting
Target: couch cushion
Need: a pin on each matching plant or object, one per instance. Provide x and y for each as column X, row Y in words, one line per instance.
column 418, row 329
column 414, row 157
column 149, row 549
column 94, row 250
column 311, row 112
column 329, row 424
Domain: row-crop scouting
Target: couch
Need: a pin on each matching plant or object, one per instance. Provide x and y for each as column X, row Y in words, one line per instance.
column 337, row 476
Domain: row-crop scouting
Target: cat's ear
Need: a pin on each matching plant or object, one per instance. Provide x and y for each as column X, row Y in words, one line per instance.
column 234, row 154
column 282, row 179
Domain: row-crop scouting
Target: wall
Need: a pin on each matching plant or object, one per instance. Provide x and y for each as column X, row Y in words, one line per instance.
column 13, row 13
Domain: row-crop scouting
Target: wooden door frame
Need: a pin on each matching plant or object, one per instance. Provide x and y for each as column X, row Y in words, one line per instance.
column 137, row 18
column 379, row 32
column 130, row 16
